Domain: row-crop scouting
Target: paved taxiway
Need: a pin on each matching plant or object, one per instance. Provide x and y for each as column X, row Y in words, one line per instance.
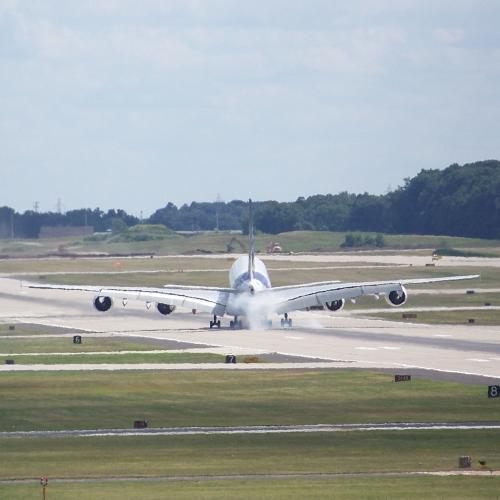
column 254, row 429
column 346, row 340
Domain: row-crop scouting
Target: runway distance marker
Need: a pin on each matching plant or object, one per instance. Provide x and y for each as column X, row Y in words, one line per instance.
column 494, row 391
column 402, row 378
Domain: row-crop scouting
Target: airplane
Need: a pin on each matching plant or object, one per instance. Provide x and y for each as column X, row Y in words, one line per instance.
column 250, row 294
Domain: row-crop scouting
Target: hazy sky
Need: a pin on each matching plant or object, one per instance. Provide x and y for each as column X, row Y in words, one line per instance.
column 131, row 104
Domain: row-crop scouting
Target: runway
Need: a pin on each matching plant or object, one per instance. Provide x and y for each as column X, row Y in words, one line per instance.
column 335, row 339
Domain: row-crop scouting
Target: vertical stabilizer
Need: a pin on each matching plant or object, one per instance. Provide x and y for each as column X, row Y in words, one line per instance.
column 251, row 242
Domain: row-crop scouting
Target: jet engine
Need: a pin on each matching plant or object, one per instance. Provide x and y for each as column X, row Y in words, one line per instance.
column 165, row 308
column 102, row 303
column 397, row 297
column 335, row 305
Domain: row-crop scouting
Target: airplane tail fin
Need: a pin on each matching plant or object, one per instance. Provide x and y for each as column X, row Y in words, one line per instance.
column 251, row 242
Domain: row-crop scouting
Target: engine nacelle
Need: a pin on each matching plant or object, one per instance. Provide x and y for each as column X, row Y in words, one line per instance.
column 103, row 303
column 396, row 297
column 165, row 308
column 335, row 305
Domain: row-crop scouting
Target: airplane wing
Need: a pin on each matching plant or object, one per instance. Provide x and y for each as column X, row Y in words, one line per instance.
column 286, row 299
column 208, row 299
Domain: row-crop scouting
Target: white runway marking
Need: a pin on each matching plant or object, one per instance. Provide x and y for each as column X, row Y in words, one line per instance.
column 478, row 360
column 294, row 338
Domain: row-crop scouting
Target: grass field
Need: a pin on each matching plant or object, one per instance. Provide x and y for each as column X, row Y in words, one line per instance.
column 296, row 241
column 165, row 264
column 149, row 456
column 482, row 317
column 490, row 277
column 145, row 357
column 90, row 400
column 369, row 488
column 429, row 300
column 65, row 344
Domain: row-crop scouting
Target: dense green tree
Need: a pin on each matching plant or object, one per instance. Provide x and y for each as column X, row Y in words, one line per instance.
column 459, row 200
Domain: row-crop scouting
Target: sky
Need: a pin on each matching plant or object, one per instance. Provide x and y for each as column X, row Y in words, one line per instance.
column 133, row 104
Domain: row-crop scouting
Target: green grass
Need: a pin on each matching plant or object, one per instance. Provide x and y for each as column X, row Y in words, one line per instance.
column 168, row 264
column 20, row 329
column 65, row 344
column 119, row 358
column 455, row 252
column 427, row 300
column 490, row 277
column 149, row 456
column 369, row 488
column 453, row 300
column 296, row 241
column 89, row 400
column 482, row 317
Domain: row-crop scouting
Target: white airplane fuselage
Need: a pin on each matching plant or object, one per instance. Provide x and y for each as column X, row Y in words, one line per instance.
column 243, row 302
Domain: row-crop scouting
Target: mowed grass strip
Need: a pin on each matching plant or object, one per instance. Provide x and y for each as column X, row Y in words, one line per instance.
column 369, row 488
column 480, row 317
column 490, row 277
column 119, row 358
column 302, row 453
column 457, row 488
column 430, row 300
column 91, row 400
column 65, row 344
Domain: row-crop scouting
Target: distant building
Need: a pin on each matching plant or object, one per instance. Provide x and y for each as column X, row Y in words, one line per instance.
column 63, row 231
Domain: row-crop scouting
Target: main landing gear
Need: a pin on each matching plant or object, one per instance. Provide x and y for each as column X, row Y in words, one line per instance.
column 236, row 324
column 215, row 322
column 286, row 322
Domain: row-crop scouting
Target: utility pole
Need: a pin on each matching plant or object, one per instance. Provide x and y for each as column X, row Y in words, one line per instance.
column 12, row 225
column 36, row 206
column 217, row 207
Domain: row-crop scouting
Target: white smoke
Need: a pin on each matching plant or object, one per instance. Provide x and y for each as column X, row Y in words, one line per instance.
column 257, row 308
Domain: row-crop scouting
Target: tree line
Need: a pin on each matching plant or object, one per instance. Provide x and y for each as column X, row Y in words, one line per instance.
column 461, row 200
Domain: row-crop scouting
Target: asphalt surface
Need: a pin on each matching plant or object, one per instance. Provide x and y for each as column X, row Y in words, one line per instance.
column 460, row 351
